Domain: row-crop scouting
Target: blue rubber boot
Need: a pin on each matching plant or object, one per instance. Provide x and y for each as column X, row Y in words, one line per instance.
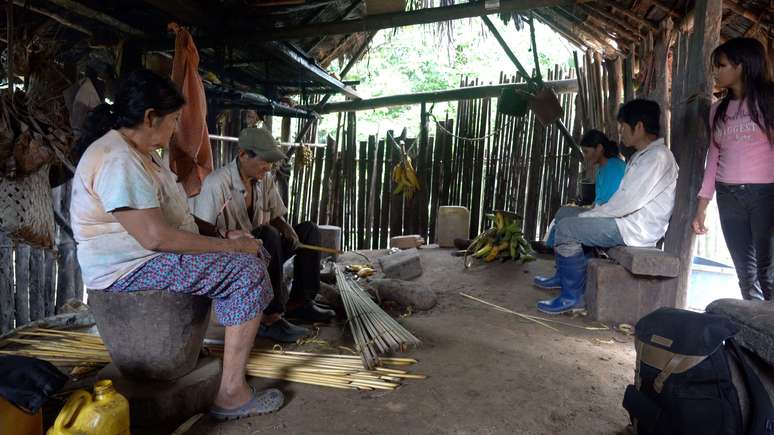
column 548, row 282
column 572, row 274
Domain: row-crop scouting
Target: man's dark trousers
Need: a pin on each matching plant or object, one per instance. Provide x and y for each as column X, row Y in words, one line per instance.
column 306, row 265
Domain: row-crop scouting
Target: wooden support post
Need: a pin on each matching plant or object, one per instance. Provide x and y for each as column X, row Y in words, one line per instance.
column 615, row 93
column 628, row 76
column 660, row 91
column 691, row 137
column 22, row 293
column 6, row 283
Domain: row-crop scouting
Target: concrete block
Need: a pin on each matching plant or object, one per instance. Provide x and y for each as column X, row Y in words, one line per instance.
column 614, row 295
column 646, row 261
column 330, row 237
column 406, row 242
column 157, row 403
column 401, row 265
column 756, row 321
column 453, row 223
column 151, row 334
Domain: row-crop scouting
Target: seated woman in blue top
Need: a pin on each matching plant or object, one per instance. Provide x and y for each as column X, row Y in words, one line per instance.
column 603, row 152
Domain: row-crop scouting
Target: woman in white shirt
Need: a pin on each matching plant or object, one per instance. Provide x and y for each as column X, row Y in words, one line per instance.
column 134, row 230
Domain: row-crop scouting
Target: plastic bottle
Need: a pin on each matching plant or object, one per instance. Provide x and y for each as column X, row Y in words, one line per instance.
column 106, row 413
column 14, row 421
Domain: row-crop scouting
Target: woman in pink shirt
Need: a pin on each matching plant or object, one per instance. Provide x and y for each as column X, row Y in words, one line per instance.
column 740, row 163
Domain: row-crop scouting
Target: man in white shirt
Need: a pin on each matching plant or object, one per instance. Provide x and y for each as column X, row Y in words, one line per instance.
column 241, row 199
column 636, row 215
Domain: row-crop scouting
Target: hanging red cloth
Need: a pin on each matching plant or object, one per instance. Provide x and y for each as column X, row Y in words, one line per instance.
column 190, row 155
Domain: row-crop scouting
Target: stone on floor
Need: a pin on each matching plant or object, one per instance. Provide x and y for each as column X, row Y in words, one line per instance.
column 406, row 293
column 401, row 265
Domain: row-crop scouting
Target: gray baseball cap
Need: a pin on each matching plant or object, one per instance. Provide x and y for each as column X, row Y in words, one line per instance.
column 262, row 143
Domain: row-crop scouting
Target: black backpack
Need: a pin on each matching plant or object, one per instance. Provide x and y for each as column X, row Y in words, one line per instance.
column 685, row 377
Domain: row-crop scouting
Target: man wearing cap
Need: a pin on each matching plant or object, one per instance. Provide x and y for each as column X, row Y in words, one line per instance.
column 241, row 199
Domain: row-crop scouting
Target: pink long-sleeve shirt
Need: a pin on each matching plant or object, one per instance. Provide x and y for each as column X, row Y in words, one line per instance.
column 739, row 153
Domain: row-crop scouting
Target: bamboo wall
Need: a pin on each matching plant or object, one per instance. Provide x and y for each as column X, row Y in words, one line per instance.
column 481, row 159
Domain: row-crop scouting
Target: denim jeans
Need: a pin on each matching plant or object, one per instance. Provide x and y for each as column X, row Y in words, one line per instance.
column 573, row 233
column 564, row 211
column 747, row 219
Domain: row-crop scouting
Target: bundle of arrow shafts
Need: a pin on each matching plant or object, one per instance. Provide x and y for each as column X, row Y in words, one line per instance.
column 374, row 331
column 63, row 348
column 78, row 349
column 504, row 240
column 335, row 371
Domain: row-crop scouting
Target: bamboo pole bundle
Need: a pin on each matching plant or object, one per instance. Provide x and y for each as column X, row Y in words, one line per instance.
column 375, row 332
column 78, row 349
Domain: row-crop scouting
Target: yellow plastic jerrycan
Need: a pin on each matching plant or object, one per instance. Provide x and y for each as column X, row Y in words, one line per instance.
column 107, row 413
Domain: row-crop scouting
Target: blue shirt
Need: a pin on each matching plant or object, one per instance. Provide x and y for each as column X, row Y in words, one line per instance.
column 609, row 176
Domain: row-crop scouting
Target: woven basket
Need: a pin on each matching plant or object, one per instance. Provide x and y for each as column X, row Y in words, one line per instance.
column 26, row 209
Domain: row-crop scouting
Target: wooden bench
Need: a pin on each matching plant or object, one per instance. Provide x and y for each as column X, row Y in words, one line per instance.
column 631, row 283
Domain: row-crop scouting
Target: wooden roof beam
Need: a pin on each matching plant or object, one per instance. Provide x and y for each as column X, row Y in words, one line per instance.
column 634, row 30
column 609, row 26
column 667, row 8
column 599, row 35
column 566, row 32
column 398, row 19
column 467, row 93
column 188, row 12
column 58, row 18
column 634, row 17
column 290, row 54
column 601, row 44
column 87, row 12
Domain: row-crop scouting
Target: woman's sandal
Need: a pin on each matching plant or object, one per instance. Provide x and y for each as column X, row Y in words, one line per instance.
column 264, row 402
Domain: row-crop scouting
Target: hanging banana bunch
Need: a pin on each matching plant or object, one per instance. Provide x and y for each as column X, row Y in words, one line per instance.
column 304, row 156
column 405, row 176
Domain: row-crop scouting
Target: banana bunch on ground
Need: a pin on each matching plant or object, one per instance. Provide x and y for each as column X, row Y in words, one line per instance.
column 304, row 156
column 361, row 270
column 504, row 240
column 405, row 177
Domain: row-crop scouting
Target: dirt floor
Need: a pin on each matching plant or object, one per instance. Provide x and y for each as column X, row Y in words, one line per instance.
column 489, row 372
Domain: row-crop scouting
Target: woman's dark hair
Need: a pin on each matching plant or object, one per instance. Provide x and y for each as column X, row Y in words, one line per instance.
column 758, row 87
column 139, row 91
column 592, row 138
column 641, row 110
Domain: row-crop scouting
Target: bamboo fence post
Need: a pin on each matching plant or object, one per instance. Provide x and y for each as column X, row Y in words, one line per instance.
column 22, row 293
column 7, row 316
column 37, row 284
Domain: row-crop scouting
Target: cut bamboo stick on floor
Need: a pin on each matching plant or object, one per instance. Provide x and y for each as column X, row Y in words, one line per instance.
column 74, row 349
column 374, row 331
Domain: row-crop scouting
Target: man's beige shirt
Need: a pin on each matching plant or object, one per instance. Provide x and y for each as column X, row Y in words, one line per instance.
column 225, row 186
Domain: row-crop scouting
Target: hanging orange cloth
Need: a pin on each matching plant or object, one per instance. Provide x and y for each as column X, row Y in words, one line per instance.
column 190, row 155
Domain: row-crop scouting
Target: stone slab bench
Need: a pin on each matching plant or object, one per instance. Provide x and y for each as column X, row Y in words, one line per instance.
column 633, row 283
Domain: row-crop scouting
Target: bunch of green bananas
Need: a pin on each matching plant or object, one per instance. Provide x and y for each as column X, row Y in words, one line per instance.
column 405, row 177
column 504, row 240
column 304, row 156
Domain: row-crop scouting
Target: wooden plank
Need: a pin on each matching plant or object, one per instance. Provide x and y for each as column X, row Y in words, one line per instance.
column 425, row 165
column 7, row 307
column 362, row 177
column 691, row 137
column 325, row 210
column 463, row 93
column 371, row 194
column 384, row 220
column 22, row 293
column 37, row 284
column 49, row 287
column 396, row 201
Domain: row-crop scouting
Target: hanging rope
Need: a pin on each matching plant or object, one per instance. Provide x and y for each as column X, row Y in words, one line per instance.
column 473, row 139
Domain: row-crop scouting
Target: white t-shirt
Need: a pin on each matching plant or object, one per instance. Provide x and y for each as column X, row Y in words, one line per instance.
column 112, row 175
column 225, row 186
